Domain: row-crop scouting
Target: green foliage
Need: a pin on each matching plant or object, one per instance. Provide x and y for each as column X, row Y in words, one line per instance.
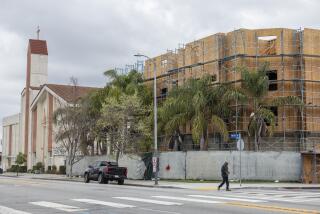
column 62, row 170
column 39, row 166
column 255, row 86
column 122, row 119
column 13, row 168
column 23, row 169
column 21, row 159
column 199, row 103
column 54, row 169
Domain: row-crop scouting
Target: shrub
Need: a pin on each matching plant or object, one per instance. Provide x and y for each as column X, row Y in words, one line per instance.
column 54, row 169
column 49, row 168
column 62, row 170
column 23, row 169
column 13, row 168
column 39, row 165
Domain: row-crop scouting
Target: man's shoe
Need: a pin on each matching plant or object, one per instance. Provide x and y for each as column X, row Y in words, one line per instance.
column 218, row 188
column 228, row 189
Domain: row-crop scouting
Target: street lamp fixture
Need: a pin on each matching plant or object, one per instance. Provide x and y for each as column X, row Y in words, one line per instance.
column 155, row 154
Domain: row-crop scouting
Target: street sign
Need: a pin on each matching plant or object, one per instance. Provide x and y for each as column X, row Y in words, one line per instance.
column 235, row 136
column 154, row 164
column 240, row 144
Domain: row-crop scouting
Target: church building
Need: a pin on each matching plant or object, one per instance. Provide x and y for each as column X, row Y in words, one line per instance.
column 32, row 131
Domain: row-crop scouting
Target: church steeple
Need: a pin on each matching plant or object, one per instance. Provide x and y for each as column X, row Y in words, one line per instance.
column 37, row 75
column 37, row 64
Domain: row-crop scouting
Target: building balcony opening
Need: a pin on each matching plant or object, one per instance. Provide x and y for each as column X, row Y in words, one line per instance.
column 273, row 77
column 267, row 45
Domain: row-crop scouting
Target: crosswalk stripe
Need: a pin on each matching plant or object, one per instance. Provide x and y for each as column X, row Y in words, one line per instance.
column 7, row 210
column 187, row 199
column 227, row 198
column 105, row 203
column 148, row 201
column 57, row 206
column 274, row 198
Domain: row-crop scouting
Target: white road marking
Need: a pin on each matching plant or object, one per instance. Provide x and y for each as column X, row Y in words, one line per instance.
column 227, row 198
column 161, row 211
column 149, row 201
column 7, row 210
column 105, row 203
column 57, row 206
column 260, row 196
column 188, row 199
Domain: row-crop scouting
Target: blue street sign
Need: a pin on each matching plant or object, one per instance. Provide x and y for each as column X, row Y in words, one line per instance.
column 235, row 136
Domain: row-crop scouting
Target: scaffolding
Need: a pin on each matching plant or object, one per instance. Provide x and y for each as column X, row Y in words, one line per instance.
column 294, row 63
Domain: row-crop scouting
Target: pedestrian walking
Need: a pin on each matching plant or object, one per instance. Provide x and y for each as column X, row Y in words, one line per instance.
column 225, row 176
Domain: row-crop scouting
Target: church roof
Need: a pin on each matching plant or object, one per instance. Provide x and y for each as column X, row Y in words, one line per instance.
column 70, row 93
column 38, row 46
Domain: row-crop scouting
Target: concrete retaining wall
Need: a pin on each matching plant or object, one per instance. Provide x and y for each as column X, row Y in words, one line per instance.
column 283, row 166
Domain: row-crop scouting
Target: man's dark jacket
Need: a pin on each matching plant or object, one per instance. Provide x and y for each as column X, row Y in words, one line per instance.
column 224, row 170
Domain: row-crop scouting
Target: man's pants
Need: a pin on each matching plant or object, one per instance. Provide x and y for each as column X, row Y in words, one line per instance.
column 225, row 180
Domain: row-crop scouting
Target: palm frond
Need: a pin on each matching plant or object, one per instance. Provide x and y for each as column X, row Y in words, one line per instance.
column 289, row 100
column 112, row 74
column 220, row 126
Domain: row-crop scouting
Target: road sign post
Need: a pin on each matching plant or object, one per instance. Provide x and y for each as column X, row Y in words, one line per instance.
column 154, row 164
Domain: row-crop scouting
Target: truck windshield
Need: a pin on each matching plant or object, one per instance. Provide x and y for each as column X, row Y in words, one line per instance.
column 113, row 164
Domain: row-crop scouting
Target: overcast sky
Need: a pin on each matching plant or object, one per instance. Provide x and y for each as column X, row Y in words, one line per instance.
column 87, row 37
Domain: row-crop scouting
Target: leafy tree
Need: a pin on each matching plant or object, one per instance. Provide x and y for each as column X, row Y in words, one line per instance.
column 122, row 118
column 73, row 126
column 255, row 84
column 21, row 159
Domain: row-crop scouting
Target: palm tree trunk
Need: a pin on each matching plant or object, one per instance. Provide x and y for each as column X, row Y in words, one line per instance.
column 255, row 141
column 117, row 155
column 259, row 136
column 202, row 143
column 207, row 140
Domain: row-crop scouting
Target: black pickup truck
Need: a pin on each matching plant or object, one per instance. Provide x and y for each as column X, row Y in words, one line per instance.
column 105, row 171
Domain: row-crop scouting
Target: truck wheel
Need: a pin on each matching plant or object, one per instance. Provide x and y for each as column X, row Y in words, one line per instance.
column 100, row 179
column 120, row 181
column 86, row 178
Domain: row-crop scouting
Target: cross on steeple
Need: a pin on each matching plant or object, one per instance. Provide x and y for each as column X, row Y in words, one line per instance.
column 38, row 32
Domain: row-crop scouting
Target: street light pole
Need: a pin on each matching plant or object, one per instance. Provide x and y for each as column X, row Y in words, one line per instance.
column 155, row 110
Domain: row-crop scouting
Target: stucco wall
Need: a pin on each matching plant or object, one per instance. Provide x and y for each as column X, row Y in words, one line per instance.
column 254, row 165
column 172, row 165
column 38, row 70
column 134, row 164
column 14, row 122
column 285, row 166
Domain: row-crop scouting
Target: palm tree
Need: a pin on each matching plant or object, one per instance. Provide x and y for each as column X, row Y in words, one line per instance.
column 255, row 84
column 199, row 103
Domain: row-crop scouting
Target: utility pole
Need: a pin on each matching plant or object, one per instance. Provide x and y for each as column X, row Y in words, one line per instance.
column 155, row 158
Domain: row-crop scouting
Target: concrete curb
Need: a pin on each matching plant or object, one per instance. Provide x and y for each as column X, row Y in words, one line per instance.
column 80, row 181
column 159, row 186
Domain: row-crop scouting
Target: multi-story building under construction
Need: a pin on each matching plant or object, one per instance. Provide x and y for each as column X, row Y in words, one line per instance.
column 294, row 70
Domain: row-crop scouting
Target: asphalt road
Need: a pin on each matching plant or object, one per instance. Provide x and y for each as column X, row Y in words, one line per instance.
column 25, row 196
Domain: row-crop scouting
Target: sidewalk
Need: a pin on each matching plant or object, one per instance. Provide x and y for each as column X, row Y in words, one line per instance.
column 174, row 184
